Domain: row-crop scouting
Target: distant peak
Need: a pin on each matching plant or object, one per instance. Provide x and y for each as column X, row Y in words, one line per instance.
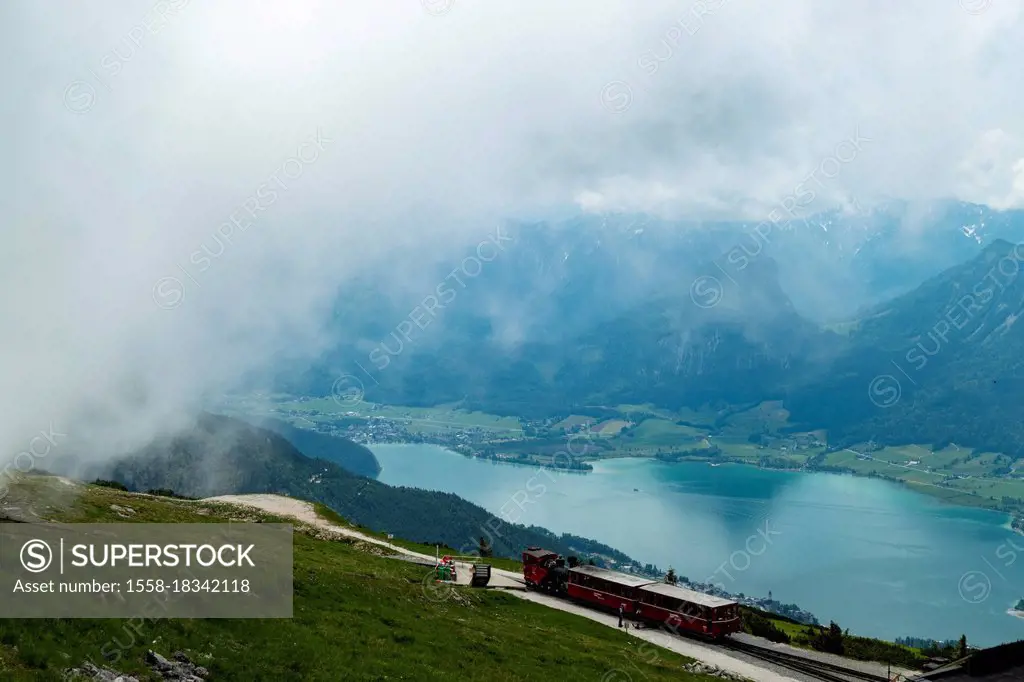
column 1000, row 246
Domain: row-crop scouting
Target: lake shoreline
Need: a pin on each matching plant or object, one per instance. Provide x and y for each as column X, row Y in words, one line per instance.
column 917, row 489
column 794, row 534
column 929, row 490
column 791, row 611
column 921, row 489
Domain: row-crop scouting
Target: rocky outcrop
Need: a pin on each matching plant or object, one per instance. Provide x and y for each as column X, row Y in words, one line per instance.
column 90, row 672
column 700, row 668
column 181, row 669
column 178, row 669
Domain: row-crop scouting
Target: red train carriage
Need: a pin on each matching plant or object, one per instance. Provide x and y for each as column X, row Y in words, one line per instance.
column 679, row 609
column 682, row 609
column 609, row 589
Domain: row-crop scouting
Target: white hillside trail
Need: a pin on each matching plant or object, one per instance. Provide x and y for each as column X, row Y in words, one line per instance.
column 303, row 511
column 300, row 510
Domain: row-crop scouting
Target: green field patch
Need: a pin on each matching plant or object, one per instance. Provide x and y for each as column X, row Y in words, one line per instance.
column 660, row 432
column 925, row 458
column 840, row 458
column 981, row 465
column 610, row 427
column 974, row 492
column 992, row 488
column 702, row 416
column 950, row 495
column 649, row 409
column 743, row 449
column 769, row 414
column 881, row 467
column 904, row 454
column 916, row 457
column 572, row 421
column 942, row 459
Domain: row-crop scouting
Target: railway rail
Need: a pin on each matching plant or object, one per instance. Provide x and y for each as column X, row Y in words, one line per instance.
column 827, row 672
column 678, row 610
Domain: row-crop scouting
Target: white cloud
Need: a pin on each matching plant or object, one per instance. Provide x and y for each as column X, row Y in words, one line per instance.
column 441, row 125
column 993, row 171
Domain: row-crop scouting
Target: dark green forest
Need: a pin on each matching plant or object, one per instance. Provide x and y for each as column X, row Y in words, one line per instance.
column 351, row 456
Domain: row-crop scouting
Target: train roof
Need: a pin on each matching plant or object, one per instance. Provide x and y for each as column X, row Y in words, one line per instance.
column 612, row 576
column 537, row 553
column 684, row 594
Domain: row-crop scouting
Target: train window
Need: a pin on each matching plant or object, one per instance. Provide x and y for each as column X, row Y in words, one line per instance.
column 610, row 587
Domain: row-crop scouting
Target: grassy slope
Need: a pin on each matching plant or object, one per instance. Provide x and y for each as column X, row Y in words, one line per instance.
column 357, row 617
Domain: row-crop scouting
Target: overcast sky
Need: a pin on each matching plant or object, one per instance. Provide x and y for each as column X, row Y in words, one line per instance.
column 134, row 130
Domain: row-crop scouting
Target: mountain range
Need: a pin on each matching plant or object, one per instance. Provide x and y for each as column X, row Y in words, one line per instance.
column 641, row 311
column 940, row 364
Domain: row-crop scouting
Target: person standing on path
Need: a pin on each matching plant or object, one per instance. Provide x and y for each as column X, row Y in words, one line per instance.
column 622, row 609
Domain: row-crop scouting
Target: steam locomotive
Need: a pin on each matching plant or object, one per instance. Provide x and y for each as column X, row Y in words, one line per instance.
column 643, row 599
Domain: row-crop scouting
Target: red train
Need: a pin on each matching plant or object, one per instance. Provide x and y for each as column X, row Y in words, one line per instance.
column 641, row 598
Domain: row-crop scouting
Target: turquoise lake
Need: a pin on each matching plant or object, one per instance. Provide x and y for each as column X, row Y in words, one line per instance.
column 876, row 558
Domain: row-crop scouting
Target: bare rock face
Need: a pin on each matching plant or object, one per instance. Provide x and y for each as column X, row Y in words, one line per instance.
column 701, row 668
column 180, row 669
column 88, row 671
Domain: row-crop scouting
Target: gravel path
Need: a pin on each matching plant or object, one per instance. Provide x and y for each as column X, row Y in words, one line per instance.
column 304, row 511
